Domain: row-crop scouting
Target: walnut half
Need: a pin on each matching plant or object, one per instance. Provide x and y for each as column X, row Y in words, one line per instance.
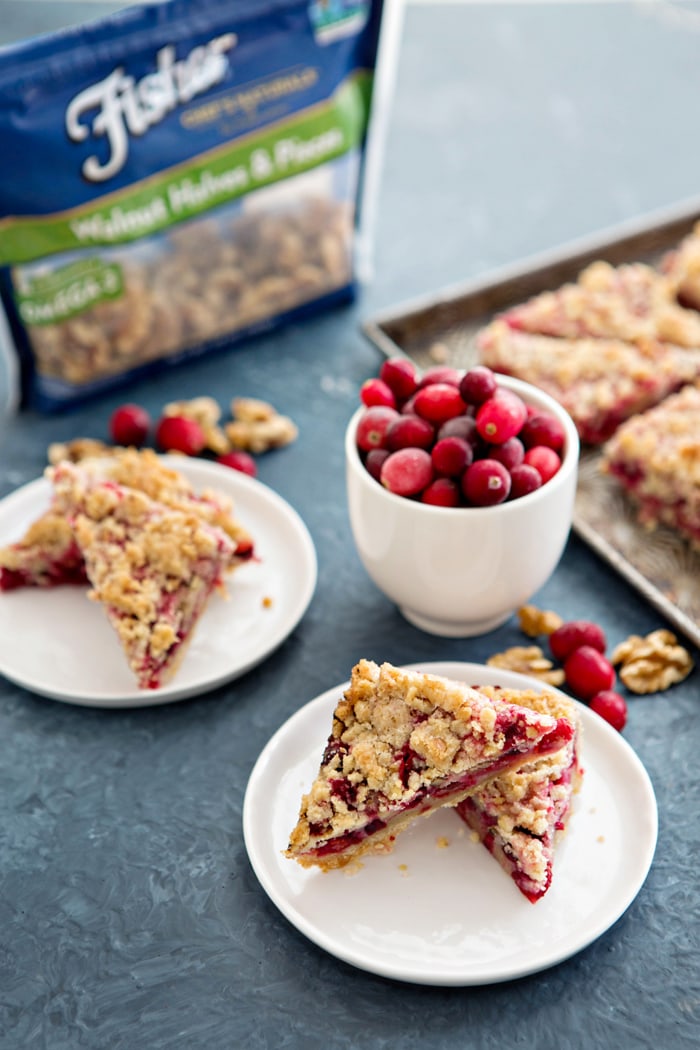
column 530, row 660
column 653, row 663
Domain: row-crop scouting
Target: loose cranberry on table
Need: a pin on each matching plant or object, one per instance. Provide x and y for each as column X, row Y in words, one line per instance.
column 588, row 672
column 610, row 706
column 471, row 428
column 239, row 460
column 179, row 434
column 572, row 635
column 129, row 425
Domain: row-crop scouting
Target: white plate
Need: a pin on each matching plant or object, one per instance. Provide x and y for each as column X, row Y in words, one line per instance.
column 449, row 915
column 58, row 644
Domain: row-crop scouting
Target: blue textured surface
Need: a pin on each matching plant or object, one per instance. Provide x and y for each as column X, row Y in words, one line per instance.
column 129, row 915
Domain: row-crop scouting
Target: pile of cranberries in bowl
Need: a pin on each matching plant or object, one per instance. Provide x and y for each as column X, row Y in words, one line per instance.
column 454, row 438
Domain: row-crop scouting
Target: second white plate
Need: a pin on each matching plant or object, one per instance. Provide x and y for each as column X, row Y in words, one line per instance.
column 59, row 644
column 439, row 910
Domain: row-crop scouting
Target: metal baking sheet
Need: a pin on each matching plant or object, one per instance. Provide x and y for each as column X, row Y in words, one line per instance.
column 440, row 329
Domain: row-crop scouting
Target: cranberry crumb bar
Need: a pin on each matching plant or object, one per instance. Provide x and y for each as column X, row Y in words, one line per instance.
column 631, row 302
column 519, row 815
column 600, row 382
column 403, row 744
column 656, row 459
column 153, row 567
column 47, row 554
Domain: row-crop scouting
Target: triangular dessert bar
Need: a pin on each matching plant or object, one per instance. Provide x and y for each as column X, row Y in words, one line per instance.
column 519, row 815
column 153, row 567
column 47, row 554
column 403, row 744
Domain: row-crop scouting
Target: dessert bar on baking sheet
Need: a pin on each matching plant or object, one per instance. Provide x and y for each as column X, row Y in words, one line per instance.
column 440, row 328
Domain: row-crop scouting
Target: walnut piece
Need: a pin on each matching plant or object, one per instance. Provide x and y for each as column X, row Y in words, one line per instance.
column 257, row 426
column 534, row 621
column 653, row 663
column 530, row 660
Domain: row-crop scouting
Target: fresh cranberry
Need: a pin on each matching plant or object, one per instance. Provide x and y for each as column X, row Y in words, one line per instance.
column 523, row 481
column 129, row 425
column 373, row 425
column 239, row 460
column 375, row 461
column 408, row 408
column 440, row 374
column 545, row 461
column 572, row 635
column 407, row 471
column 451, row 456
column 409, row 431
column 443, row 492
column 501, row 417
column 543, row 429
column 461, row 427
column 588, row 672
column 377, row 392
column 478, row 385
column 486, row 482
column 439, row 402
column 510, row 453
column 179, row 434
column 610, row 706
column 400, row 375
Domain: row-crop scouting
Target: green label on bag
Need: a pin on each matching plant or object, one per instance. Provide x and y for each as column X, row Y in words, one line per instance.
column 50, row 298
column 298, row 144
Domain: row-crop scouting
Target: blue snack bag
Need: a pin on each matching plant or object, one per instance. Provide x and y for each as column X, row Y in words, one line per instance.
column 183, row 175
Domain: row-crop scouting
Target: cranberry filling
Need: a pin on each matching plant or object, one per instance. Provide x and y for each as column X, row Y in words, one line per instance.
column 550, row 743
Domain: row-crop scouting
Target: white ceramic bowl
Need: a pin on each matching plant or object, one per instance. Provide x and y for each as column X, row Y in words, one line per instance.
column 459, row 572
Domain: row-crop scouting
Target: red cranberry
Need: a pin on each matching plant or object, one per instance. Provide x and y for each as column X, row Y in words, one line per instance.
column 373, row 425
column 610, row 706
column 439, row 402
column 572, row 635
column 179, row 434
column 375, row 461
column 545, row 461
column 440, row 374
column 523, row 481
column 376, row 392
column 129, row 425
column 408, row 431
column 407, row 471
column 451, row 456
column 510, row 453
column 400, row 375
column 443, row 492
column 486, row 482
column 461, row 427
column 588, row 672
column 500, row 418
column 545, row 430
column 239, row 460
column 478, row 385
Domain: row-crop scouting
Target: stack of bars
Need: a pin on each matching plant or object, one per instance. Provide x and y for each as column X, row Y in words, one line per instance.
column 152, row 551
column 404, row 744
column 620, row 350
